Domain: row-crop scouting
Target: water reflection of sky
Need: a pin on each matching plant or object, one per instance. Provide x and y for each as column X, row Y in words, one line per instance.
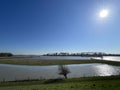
column 19, row 72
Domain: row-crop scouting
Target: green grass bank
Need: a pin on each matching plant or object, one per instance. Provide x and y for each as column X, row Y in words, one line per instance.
column 86, row 83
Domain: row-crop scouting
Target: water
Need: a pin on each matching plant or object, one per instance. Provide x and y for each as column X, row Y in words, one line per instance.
column 55, row 57
column 109, row 58
column 21, row 72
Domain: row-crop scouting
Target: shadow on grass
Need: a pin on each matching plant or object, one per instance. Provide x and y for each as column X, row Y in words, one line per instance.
column 53, row 81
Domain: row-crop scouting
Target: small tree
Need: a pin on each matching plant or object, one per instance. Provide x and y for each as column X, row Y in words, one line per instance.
column 63, row 70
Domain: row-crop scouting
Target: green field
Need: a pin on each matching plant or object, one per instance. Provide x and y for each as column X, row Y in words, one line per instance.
column 88, row 83
column 25, row 61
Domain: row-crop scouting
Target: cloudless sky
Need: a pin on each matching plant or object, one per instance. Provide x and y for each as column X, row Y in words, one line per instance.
column 43, row 26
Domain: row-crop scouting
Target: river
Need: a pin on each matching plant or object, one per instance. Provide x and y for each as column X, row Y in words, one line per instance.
column 21, row 72
column 109, row 58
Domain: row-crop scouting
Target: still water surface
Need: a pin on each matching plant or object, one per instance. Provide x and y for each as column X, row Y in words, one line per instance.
column 20, row 72
column 109, row 58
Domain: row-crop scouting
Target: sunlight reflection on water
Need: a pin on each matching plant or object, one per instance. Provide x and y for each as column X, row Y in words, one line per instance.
column 109, row 58
column 20, row 72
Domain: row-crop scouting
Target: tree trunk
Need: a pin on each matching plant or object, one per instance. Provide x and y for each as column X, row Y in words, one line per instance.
column 65, row 76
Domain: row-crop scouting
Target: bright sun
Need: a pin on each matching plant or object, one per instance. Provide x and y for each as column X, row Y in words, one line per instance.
column 103, row 13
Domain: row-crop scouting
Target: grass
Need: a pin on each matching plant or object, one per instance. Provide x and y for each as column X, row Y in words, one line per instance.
column 88, row 83
column 25, row 61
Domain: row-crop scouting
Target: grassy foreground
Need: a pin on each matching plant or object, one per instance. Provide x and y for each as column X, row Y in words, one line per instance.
column 25, row 61
column 88, row 83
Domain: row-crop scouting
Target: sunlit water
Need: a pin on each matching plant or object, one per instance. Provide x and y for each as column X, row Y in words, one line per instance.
column 21, row 72
column 109, row 58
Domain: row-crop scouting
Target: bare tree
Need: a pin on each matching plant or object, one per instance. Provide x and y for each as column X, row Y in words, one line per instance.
column 63, row 70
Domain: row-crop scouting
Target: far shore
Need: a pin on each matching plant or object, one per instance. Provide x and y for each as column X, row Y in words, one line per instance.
column 22, row 61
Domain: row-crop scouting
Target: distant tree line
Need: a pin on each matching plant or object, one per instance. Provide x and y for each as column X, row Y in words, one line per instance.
column 6, row 54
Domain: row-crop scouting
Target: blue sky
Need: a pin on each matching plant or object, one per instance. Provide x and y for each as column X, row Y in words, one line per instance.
column 42, row 26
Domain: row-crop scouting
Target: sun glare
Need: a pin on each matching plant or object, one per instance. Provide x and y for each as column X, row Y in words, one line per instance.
column 103, row 13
